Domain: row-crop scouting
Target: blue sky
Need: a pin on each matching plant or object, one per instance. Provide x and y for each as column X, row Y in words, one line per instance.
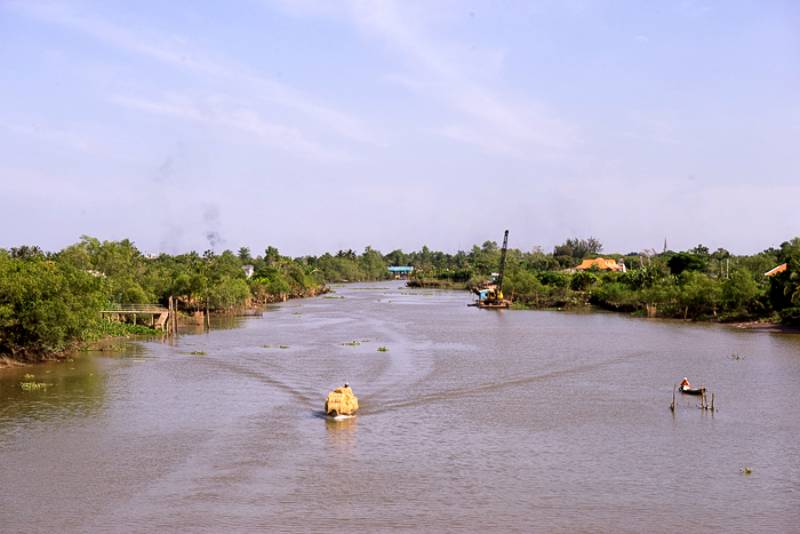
column 319, row 125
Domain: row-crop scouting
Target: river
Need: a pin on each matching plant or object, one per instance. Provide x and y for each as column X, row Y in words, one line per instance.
column 473, row 420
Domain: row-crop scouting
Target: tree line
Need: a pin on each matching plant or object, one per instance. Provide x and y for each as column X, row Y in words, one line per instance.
column 51, row 300
column 696, row 284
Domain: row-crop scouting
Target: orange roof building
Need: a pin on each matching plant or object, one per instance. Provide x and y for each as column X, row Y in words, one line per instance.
column 601, row 264
column 777, row 270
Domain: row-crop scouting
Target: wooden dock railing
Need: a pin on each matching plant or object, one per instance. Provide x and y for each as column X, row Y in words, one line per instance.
column 159, row 317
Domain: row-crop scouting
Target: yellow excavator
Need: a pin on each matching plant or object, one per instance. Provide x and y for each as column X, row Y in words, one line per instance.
column 490, row 296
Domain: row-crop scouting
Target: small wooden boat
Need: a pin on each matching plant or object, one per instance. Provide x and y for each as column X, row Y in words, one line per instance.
column 692, row 391
column 494, row 305
column 341, row 402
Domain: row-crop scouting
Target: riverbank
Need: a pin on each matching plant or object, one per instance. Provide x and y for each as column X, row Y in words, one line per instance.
column 106, row 333
column 761, row 325
column 765, row 326
column 433, row 283
column 581, row 302
column 6, row 363
column 114, row 332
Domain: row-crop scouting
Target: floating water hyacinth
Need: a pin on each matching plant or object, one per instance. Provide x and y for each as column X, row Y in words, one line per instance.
column 353, row 343
column 197, row 353
column 33, row 386
column 383, row 349
column 283, row 346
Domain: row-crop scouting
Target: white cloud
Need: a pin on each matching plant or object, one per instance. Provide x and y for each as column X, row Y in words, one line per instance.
column 488, row 118
column 179, row 53
column 221, row 113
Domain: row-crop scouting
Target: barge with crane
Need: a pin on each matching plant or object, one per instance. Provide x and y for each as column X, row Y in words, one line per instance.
column 490, row 295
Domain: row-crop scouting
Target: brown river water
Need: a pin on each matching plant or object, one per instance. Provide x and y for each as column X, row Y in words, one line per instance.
column 474, row 420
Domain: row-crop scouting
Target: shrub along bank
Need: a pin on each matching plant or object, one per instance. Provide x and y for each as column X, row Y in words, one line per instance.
column 51, row 300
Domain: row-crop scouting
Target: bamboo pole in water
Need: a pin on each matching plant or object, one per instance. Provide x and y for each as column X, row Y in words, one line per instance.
column 173, row 316
column 672, row 406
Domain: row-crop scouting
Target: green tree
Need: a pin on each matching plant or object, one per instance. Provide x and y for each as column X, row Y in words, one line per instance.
column 698, row 295
column 45, row 306
column 372, row 264
column 578, row 248
column 272, row 256
column 721, row 259
column 524, row 286
column 227, row 293
column 582, row 280
column 685, row 261
column 244, row 255
column 396, row 257
column 615, row 295
column 739, row 291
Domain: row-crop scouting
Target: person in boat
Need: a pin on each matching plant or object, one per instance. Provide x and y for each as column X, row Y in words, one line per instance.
column 685, row 384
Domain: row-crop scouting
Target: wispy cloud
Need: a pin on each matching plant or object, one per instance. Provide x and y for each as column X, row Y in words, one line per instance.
column 261, row 90
column 223, row 114
column 482, row 115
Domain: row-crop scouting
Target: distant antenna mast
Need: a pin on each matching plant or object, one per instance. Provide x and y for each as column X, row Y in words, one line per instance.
column 665, row 244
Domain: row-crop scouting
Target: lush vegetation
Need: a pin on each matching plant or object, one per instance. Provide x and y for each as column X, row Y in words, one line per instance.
column 49, row 301
column 698, row 284
column 695, row 284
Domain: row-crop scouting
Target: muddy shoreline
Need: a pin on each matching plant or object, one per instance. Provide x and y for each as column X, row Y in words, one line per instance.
column 765, row 326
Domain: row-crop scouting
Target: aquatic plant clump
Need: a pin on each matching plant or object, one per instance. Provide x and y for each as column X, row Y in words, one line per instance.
column 354, row 343
column 33, row 386
column 383, row 349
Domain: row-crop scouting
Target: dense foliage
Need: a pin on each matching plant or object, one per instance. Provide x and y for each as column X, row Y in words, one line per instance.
column 44, row 305
column 693, row 284
column 50, row 300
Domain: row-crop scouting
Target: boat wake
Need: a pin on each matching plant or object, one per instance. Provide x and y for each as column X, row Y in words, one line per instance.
column 494, row 386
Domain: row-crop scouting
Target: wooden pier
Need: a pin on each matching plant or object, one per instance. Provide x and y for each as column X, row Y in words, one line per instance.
column 153, row 315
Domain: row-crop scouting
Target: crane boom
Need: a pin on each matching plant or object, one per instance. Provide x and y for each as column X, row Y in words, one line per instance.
column 502, row 263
